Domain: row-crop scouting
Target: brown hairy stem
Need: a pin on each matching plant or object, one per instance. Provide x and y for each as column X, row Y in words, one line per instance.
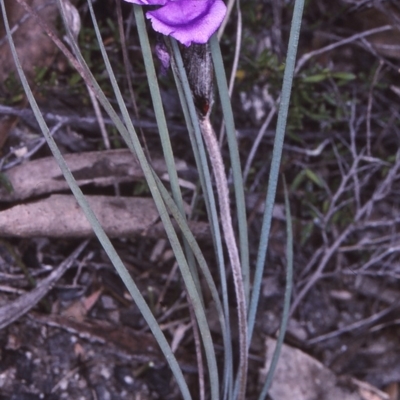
column 230, row 241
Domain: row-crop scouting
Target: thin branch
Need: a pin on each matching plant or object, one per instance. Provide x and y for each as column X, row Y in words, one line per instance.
column 306, row 57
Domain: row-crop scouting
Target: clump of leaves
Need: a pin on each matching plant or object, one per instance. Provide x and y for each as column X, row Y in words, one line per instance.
column 317, row 100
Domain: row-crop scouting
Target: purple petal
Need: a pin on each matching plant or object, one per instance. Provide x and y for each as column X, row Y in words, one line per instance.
column 188, row 21
column 148, row 2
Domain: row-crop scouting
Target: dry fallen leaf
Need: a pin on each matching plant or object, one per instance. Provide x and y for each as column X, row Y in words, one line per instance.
column 78, row 309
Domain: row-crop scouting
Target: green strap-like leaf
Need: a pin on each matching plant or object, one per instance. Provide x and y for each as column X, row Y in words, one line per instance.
column 276, row 159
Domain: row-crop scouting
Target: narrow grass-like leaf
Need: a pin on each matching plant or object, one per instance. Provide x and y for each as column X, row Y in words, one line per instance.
column 276, row 159
column 163, row 132
column 205, row 179
column 130, row 137
column 197, row 143
column 174, row 241
column 159, row 110
column 108, row 248
column 223, row 91
column 134, row 145
column 217, row 240
column 198, row 149
column 288, row 295
column 196, row 251
column 224, row 321
column 235, row 63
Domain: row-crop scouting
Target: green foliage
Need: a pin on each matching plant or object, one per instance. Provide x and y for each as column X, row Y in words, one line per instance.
column 12, row 92
column 316, row 101
column 304, row 175
column 5, row 183
column 264, row 68
column 326, row 74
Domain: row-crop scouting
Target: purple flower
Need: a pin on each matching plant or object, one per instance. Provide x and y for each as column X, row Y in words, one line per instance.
column 188, row 21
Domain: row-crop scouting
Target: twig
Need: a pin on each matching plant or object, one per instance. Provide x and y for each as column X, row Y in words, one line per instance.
column 74, row 120
column 354, row 154
column 72, row 24
column 356, row 325
column 306, row 57
column 235, row 64
column 128, row 70
column 32, row 151
column 17, row 308
column 369, row 109
column 226, row 19
column 53, row 36
column 100, row 118
column 257, row 142
column 362, row 212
